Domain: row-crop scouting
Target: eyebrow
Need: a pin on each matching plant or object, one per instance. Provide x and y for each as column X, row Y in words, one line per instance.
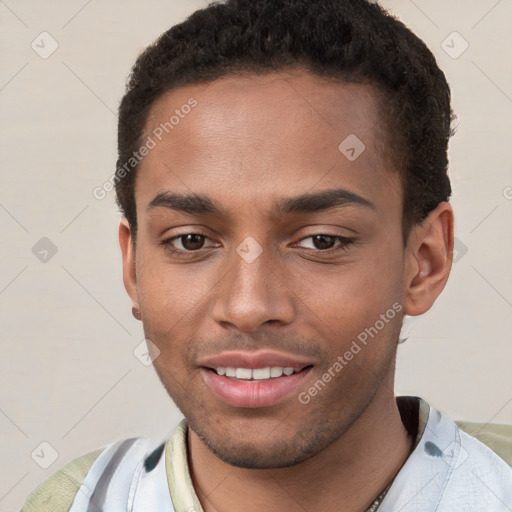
column 200, row 204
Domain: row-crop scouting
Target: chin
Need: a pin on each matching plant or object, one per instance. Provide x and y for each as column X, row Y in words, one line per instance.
column 265, row 452
column 249, row 456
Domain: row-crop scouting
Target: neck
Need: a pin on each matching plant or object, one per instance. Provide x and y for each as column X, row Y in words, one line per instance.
column 365, row 459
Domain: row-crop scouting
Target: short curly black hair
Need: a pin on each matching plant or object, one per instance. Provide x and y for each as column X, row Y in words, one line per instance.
column 348, row 40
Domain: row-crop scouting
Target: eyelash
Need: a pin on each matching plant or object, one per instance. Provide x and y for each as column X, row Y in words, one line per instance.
column 344, row 244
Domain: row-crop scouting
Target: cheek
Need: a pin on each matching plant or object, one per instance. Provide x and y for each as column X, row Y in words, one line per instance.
column 377, row 283
column 169, row 291
column 357, row 306
column 354, row 294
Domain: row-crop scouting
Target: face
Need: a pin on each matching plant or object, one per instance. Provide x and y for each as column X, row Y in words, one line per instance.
column 268, row 258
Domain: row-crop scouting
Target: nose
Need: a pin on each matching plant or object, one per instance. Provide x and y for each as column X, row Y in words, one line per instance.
column 252, row 293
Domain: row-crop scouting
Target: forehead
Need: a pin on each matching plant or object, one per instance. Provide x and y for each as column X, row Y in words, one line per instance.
column 255, row 137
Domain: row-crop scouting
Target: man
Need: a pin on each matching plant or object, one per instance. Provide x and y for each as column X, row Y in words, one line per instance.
column 282, row 175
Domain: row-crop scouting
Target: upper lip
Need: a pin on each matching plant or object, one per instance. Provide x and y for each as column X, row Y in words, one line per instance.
column 255, row 359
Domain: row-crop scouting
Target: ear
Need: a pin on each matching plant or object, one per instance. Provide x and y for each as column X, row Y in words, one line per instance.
column 429, row 255
column 129, row 272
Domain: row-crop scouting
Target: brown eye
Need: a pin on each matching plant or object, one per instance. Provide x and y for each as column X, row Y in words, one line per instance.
column 323, row 242
column 186, row 243
column 192, row 241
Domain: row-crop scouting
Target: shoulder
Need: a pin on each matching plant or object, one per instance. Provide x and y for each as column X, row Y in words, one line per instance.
column 56, row 494
column 479, row 472
column 496, row 437
column 450, row 469
column 127, row 474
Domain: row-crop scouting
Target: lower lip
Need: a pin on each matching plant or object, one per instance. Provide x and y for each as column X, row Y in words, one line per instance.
column 253, row 393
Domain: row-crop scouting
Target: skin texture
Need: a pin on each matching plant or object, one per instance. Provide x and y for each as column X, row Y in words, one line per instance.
column 249, row 142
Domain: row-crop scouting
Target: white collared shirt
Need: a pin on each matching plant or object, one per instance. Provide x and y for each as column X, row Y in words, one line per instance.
column 448, row 471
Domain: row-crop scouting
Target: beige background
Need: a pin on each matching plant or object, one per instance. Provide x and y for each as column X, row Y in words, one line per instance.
column 68, row 375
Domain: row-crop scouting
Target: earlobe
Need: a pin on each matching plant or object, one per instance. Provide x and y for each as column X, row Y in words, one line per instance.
column 129, row 270
column 428, row 260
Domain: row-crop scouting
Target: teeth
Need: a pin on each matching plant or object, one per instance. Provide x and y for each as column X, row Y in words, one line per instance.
column 243, row 373
column 261, row 373
column 256, row 373
column 276, row 371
